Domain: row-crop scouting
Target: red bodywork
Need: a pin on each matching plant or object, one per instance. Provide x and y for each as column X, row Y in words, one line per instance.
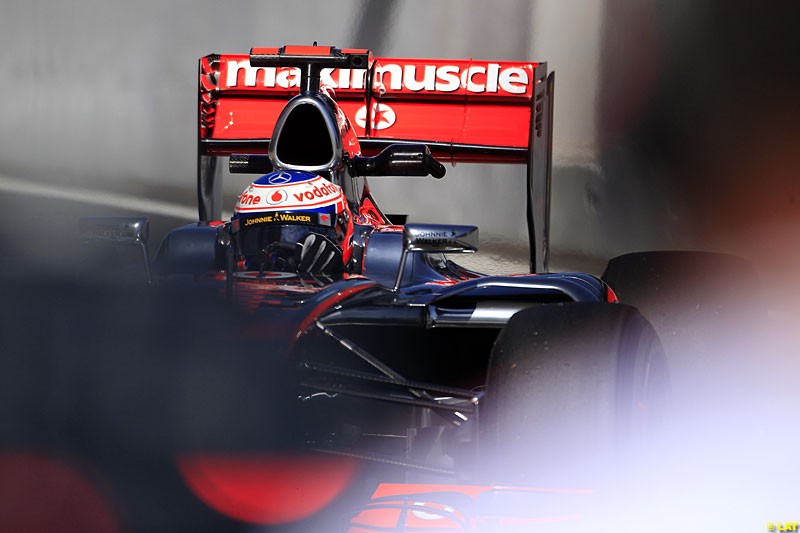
column 461, row 508
column 465, row 102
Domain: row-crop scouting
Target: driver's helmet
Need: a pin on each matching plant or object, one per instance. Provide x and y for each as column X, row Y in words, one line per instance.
column 293, row 221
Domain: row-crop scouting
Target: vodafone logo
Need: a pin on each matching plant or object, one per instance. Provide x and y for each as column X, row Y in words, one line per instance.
column 277, row 197
column 383, row 116
column 316, row 192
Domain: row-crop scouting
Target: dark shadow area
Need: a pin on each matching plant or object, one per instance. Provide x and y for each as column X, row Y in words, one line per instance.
column 697, row 122
column 103, row 388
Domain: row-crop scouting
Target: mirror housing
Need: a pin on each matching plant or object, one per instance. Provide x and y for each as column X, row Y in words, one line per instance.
column 118, row 231
column 435, row 238
column 399, row 160
column 249, row 164
column 440, row 238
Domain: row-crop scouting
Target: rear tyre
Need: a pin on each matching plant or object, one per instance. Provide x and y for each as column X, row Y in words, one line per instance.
column 572, row 390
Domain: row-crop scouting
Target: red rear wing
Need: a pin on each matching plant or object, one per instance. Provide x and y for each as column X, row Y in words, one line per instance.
column 457, row 107
column 464, row 110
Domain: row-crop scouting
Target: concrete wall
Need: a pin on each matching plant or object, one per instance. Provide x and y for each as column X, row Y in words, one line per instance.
column 101, row 94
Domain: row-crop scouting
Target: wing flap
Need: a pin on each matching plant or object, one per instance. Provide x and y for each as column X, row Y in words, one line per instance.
column 452, row 104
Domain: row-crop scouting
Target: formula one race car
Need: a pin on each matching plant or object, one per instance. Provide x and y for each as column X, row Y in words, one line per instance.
column 406, row 360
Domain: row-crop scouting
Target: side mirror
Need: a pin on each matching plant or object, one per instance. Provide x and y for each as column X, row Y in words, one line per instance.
column 436, row 238
column 118, row 231
column 249, row 164
column 399, row 160
column 441, row 238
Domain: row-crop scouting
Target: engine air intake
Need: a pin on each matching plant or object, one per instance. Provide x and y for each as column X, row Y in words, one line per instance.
column 305, row 139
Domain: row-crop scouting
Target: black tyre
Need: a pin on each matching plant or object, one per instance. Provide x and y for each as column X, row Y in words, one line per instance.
column 707, row 310
column 571, row 389
column 672, row 285
column 648, row 277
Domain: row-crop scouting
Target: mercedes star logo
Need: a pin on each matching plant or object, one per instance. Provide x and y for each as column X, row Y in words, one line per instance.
column 280, row 179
